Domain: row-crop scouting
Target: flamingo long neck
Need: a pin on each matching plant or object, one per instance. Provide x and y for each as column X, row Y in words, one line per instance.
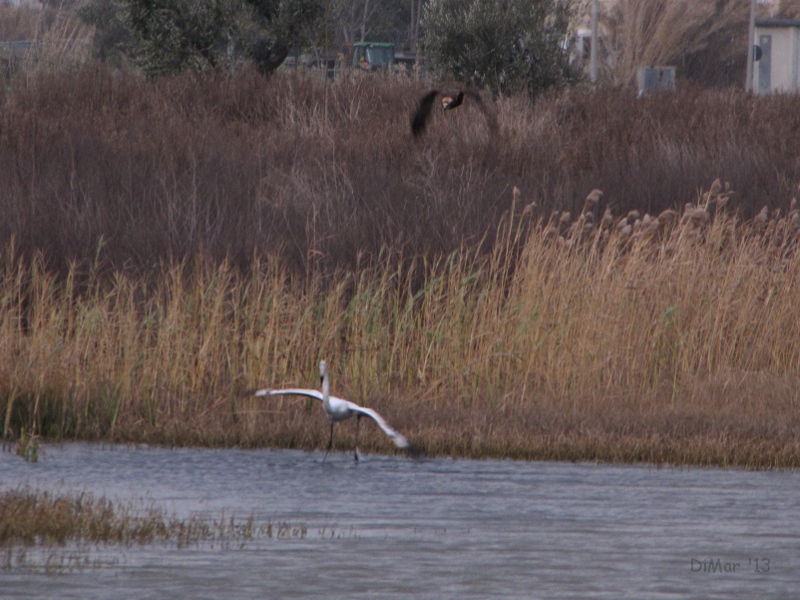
column 326, row 390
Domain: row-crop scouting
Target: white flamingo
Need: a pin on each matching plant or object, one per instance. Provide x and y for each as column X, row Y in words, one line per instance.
column 339, row 409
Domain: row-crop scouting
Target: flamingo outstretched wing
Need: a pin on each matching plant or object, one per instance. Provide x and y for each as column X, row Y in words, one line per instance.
column 316, row 394
column 339, row 409
column 399, row 440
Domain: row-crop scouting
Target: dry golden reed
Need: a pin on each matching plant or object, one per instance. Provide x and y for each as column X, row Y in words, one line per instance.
column 669, row 338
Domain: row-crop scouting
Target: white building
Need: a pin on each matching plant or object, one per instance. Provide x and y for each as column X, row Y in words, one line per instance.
column 777, row 56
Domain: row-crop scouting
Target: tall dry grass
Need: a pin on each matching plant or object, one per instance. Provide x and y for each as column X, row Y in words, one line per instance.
column 707, row 41
column 60, row 39
column 18, row 23
column 169, row 244
column 33, row 520
column 659, row 339
column 328, row 176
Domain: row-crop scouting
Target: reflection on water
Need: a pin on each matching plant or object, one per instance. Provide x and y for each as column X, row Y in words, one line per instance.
column 395, row 527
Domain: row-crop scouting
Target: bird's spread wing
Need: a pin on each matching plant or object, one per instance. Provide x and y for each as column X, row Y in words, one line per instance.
column 399, row 440
column 423, row 111
column 420, row 118
column 290, row 392
column 491, row 119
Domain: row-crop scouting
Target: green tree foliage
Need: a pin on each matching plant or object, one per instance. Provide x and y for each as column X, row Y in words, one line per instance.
column 169, row 36
column 499, row 44
column 113, row 40
column 372, row 20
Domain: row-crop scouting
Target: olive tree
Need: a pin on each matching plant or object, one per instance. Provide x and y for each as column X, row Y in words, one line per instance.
column 169, row 36
column 498, row 44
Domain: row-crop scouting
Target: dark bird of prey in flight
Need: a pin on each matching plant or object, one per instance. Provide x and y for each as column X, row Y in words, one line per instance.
column 450, row 100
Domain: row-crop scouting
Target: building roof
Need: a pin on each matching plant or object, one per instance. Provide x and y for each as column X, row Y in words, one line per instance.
column 777, row 22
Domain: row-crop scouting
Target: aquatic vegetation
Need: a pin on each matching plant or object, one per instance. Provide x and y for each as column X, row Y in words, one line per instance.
column 661, row 342
column 190, row 241
column 40, row 529
column 30, row 516
column 28, row 445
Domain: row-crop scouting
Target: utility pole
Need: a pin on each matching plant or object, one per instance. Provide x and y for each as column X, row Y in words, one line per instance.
column 748, row 84
column 593, row 50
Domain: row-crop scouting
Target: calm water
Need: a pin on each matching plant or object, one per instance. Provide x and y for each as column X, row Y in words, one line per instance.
column 428, row 529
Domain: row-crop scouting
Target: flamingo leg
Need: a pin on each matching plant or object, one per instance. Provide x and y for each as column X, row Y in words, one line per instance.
column 355, row 452
column 330, row 444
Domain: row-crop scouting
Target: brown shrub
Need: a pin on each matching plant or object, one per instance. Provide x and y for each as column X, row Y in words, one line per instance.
column 106, row 164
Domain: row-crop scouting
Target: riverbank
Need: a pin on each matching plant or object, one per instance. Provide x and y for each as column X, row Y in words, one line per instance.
column 664, row 343
column 169, row 244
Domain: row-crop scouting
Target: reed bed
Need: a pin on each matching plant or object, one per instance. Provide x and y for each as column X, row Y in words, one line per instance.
column 671, row 338
column 31, row 517
column 108, row 167
column 167, row 245
column 72, row 523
